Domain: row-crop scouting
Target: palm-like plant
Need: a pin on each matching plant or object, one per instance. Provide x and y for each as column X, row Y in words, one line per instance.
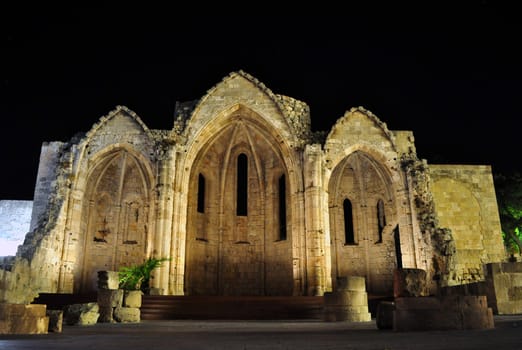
column 137, row 277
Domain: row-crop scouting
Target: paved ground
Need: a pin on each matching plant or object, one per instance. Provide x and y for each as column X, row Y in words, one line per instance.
column 274, row 335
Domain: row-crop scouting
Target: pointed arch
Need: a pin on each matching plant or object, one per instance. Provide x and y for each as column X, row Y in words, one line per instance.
column 115, row 216
column 244, row 157
column 356, row 185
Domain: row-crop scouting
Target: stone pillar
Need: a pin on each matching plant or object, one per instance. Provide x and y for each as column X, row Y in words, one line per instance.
column 164, row 211
column 315, row 235
column 109, row 296
column 349, row 302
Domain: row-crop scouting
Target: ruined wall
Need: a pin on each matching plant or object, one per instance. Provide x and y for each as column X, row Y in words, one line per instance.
column 109, row 222
column 36, row 267
column 465, row 202
column 121, row 193
column 362, row 165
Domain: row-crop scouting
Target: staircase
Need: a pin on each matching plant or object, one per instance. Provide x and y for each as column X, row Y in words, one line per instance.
column 176, row 307
column 161, row 307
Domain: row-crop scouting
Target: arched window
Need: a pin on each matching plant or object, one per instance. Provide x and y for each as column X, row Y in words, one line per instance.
column 282, row 208
column 381, row 220
column 242, row 185
column 201, row 193
column 349, row 236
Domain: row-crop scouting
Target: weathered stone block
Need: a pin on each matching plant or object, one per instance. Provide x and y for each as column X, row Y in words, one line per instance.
column 81, row 314
column 424, row 319
column 108, row 280
column 29, row 325
column 106, row 314
column 384, row 315
column 132, row 298
column 429, row 303
column 110, row 297
column 127, row 314
column 448, row 312
column 55, row 320
column 410, row 283
column 35, row 310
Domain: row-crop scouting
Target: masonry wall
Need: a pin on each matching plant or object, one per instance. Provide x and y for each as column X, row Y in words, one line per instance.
column 465, row 202
column 45, row 179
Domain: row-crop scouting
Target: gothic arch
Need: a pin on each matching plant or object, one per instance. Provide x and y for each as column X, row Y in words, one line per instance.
column 364, row 180
column 115, row 220
column 229, row 254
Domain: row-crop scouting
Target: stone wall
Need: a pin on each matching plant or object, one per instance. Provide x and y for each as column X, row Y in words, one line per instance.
column 45, row 179
column 465, row 202
column 121, row 193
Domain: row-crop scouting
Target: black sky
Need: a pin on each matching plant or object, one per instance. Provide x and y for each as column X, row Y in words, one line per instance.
column 451, row 73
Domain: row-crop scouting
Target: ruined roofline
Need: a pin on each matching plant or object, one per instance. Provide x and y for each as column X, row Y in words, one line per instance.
column 105, row 118
column 372, row 117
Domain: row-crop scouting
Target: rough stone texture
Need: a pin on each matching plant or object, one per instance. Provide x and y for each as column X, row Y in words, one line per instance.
column 15, row 221
column 349, row 302
column 442, row 313
column 410, row 283
column 120, row 193
column 110, row 297
column 132, row 298
column 504, row 280
column 55, row 320
column 106, row 314
column 465, row 200
column 109, row 280
column 23, row 319
column 81, row 314
column 384, row 315
column 127, row 314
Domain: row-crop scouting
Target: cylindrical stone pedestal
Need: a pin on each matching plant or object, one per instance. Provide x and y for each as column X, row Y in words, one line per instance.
column 349, row 302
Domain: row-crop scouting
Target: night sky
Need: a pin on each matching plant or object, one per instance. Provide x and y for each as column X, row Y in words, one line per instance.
column 451, row 73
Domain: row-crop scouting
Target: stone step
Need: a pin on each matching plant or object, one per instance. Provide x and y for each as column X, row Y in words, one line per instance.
column 231, row 307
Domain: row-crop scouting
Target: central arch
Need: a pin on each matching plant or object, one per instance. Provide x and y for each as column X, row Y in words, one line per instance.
column 235, row 244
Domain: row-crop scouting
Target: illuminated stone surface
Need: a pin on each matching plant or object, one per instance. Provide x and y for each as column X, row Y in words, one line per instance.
column 122, row 192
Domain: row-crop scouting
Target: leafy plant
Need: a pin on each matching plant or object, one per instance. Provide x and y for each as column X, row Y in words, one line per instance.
column 509, row 197
column 137, row 277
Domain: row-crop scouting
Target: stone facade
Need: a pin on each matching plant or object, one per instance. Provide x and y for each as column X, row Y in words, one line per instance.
column 246, row 200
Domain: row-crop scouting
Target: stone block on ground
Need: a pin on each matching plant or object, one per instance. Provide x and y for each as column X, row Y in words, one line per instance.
column 81, row 314
column 30, row 325
column 384, row 315
column 106, row 314
column 127, row 314
column 55, row 320
column 442, row 313
column 23, row 319
column 348, row 302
